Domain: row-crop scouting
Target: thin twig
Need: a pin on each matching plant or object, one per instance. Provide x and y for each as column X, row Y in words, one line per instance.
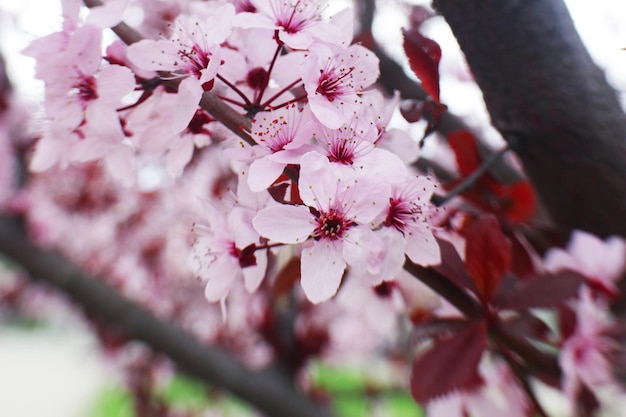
column 469, row 182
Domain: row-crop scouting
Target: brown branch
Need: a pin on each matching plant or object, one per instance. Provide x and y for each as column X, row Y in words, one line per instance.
column 446, row 289
column 266, row 390
column 552, row 103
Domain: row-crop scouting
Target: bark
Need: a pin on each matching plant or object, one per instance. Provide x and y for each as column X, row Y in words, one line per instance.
column 551, row 103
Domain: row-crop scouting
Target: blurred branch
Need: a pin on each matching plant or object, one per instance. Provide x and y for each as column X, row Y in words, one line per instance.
column 266, row 390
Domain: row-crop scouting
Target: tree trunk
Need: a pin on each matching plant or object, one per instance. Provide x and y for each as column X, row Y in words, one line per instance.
column 551, row 103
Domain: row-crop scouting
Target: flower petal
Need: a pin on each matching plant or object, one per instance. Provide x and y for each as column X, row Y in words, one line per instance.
column 322, row 269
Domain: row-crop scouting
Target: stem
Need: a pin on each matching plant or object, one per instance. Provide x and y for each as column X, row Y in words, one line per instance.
column 235, row 89
column 286, row 103
column 446, row 289
column 469, row 182
column 281, row 92
column 232, row 101
column 259, row 96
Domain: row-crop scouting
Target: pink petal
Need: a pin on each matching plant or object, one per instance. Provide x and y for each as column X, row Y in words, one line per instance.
column 286, row 224
column 263, row 172
column 421, row 246
column 322, row 267
column 253, row 275
column 187, row 100
column 221, row 273
column 179, row 155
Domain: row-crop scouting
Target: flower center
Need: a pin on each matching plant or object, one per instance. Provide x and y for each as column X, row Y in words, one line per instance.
column 401, row 214
column 85, row 88
column 194, row 60
column 331, row 85
column 294, row 17
column 331, row 225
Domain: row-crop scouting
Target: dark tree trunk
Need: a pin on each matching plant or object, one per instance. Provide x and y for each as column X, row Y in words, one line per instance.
column 551, row 103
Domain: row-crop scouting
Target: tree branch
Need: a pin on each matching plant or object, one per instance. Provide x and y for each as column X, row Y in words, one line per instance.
column 265, row 390
column 552, row 103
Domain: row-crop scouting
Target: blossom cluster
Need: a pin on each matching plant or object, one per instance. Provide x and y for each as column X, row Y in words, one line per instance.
column 318, row 129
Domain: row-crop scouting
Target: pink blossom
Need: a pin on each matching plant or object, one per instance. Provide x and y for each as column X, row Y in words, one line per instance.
column 352, row 146
column 334, row 80
column 225, row 251
column 584, row 357
column 601, row 262
column 282, row 136
column 298, row 22
column 337, row 214
column 151, row 127
column 407, row 224
column 193, row 52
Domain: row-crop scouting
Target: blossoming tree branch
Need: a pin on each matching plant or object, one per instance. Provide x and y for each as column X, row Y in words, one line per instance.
column 241, row 186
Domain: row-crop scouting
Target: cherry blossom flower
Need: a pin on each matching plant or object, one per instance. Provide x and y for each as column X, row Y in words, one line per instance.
column 193, row 52
column 601, row 262
column 158, row 137
column 584, row 357
column 225, row 251
column 298, row 22
column 406, row 226
column 352, row 146
column 282, row 136
column 334, row 80
column 337, row 214
column 81, row 101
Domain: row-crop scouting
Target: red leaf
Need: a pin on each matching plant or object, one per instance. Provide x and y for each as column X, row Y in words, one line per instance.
column 452, row 266
column 544, row 291
column 518, row 202
column 487, row 255
column 287, row 277
column 424, row 55
column 449, row 365
column 465, row 149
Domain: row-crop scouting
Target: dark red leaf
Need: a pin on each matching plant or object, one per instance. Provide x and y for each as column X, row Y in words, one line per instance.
column 487, row 255
column 424, row 55
column 465, row 149
column 452, row 266
column 451, row 364
column 522, row 264
column 287, row 277
column 543, row 291
column 517, row 201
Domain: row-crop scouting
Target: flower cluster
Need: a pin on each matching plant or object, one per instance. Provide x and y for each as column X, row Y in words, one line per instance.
column 353, row 207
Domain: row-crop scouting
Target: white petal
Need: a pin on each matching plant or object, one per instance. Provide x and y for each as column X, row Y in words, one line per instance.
column 322, row 268
column 263, row 172
column 286, row 224
column 189, row 94
column 222, row 272
column 421, row 246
